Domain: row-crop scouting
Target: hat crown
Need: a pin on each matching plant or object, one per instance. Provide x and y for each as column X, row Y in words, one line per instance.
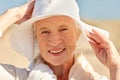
column 56, row 7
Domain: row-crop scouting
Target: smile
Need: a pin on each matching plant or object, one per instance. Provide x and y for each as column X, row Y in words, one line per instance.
column 57, row 52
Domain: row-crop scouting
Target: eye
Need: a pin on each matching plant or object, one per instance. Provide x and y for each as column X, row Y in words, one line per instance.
column 45, row 32
column 63, row 29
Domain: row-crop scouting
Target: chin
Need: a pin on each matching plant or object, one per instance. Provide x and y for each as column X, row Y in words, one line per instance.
column 55, row 64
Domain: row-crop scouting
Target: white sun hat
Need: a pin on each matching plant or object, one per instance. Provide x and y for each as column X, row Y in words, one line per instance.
column 22, row 38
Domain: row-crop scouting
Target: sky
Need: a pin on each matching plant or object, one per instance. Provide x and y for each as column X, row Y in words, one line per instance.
column 91, row 9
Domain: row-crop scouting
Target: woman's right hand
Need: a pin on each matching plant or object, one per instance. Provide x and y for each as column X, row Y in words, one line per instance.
column 24, row 12
column 16, row 15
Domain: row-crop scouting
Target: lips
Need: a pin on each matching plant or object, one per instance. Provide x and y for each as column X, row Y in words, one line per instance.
column 56, row 51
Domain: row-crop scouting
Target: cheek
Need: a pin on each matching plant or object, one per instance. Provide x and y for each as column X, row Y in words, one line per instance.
column 42, row 44
column 70, row 41
column 43, row 48
column 69, row 37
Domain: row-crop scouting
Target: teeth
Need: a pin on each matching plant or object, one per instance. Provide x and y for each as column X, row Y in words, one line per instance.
column 56, row 51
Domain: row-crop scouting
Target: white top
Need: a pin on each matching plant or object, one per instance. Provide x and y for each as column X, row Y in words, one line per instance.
column 81, row 70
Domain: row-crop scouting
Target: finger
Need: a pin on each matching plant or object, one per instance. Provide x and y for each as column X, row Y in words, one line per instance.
column 89, row 37
column 91, row 40
column 100, row 36
column 100, row 53
column 95, row 47
column 94, row 37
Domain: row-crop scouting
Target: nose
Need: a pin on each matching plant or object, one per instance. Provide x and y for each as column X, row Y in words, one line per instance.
column 54, row 39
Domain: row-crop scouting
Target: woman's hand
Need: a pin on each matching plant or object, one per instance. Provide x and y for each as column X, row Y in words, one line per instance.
column 16, row 15
column 24, row 12
column 105, row 52
column 104, row 48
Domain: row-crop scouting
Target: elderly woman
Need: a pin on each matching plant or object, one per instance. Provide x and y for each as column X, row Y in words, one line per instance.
column 51, row 39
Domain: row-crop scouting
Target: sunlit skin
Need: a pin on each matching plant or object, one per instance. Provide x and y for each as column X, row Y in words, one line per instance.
column 57, row 37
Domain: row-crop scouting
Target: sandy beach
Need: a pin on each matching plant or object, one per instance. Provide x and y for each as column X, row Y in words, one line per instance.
column 9, row 56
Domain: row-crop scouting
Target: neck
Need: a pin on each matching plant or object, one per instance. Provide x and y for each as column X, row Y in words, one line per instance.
column 62, row 71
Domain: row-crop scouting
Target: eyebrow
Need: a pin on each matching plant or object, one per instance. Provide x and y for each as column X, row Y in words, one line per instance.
column 63, row 25
column 42, row 28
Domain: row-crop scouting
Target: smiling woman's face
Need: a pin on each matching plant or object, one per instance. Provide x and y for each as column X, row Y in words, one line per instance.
column 57, row 37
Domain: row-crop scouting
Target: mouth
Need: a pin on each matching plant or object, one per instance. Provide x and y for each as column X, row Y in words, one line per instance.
column 56, row 52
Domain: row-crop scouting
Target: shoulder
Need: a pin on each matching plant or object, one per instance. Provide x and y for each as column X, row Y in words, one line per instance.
column 84, row 70
column 14, row 72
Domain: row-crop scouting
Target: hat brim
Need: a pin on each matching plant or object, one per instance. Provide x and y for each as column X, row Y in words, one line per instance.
column 22, row 37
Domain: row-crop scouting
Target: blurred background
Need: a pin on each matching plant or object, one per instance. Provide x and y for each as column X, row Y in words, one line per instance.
column 104, row 14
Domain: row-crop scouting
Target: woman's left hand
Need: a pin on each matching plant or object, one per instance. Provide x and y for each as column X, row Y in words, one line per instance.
column 104, row 49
